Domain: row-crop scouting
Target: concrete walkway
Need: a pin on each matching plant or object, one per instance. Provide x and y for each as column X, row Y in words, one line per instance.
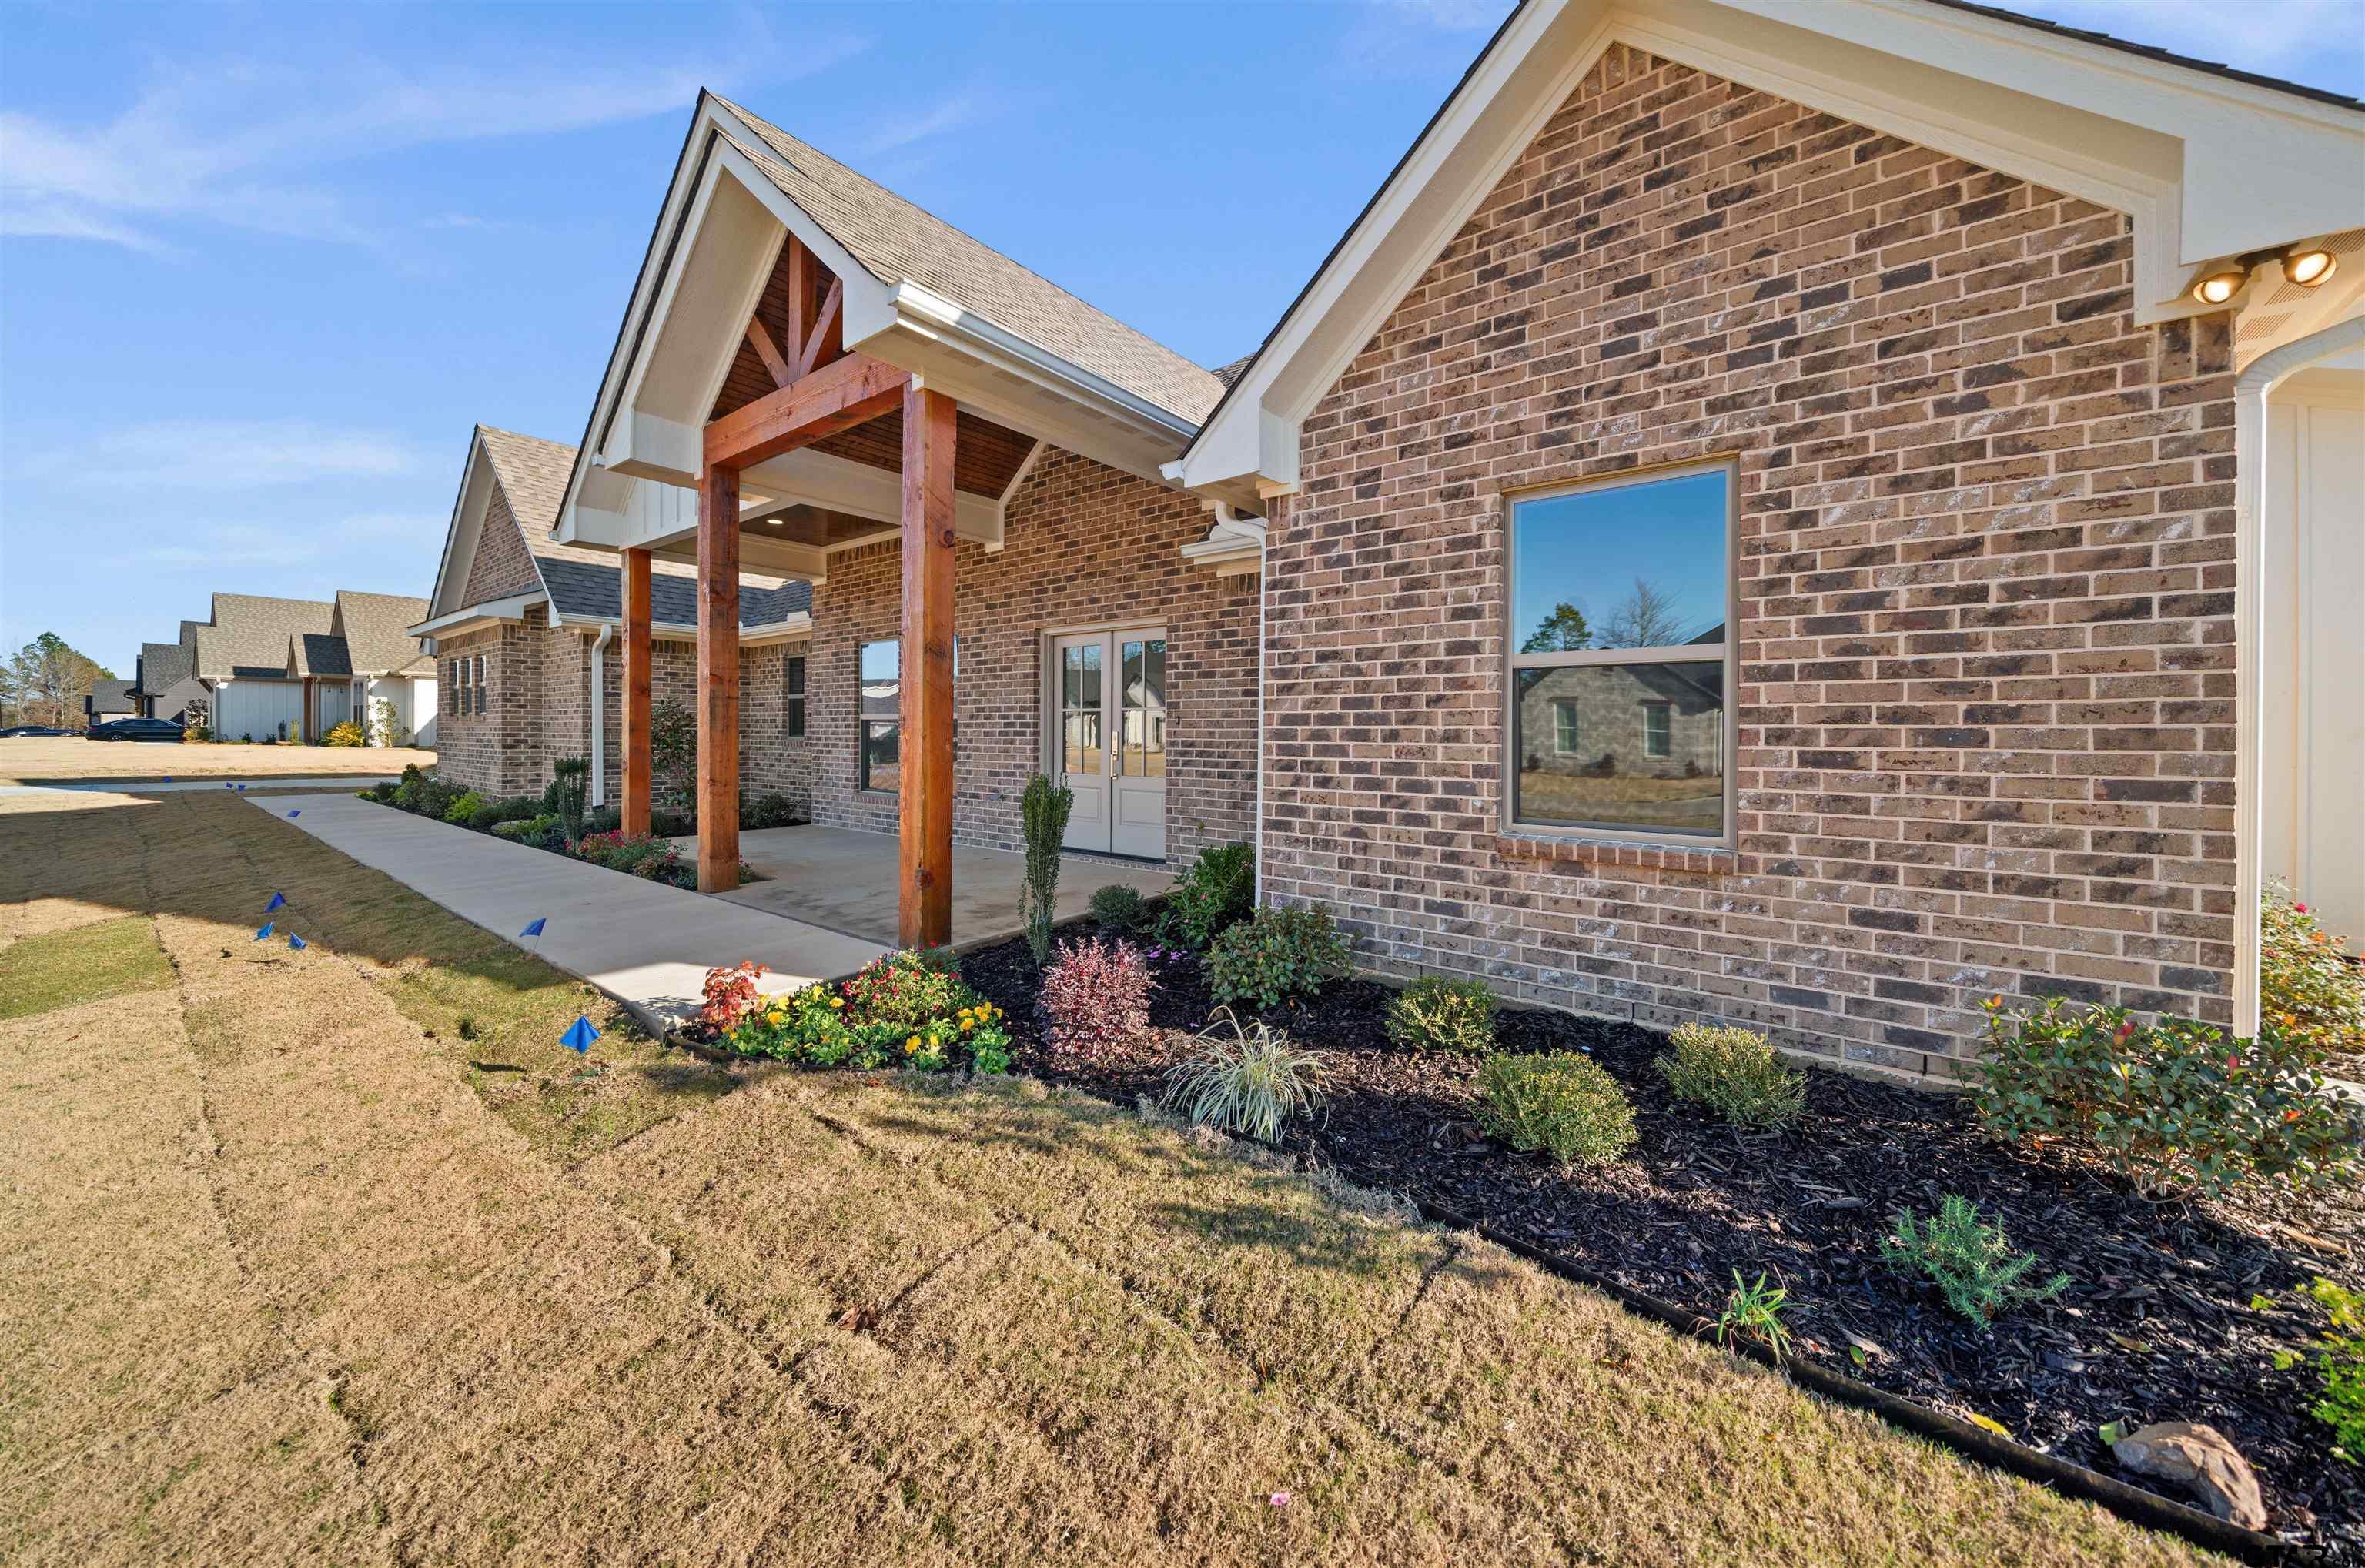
column 647, row 945
column 849, row 882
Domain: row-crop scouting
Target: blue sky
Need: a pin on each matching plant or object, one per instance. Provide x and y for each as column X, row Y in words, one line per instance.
column 261, row 266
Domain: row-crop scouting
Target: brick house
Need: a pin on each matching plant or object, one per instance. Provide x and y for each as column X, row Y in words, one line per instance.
column 521, row 628
column 1718, row 537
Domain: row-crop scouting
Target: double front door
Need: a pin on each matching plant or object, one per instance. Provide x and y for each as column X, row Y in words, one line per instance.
column 1106, row 709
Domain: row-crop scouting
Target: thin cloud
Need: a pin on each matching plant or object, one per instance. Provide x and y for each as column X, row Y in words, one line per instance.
column 1409, row 37
column 241, row 143
column 954, row 112
column 227, row 454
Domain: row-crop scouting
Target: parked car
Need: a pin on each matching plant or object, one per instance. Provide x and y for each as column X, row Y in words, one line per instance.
column 16, row 730
column 138, row 729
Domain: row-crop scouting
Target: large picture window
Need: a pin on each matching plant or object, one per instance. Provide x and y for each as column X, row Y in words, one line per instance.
column 1621, row 653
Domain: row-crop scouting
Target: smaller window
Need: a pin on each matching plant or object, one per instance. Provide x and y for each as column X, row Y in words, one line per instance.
column 1657, row 729
column 1568, row 731
column 881, row 687
column 480, row 683
column 796, row 685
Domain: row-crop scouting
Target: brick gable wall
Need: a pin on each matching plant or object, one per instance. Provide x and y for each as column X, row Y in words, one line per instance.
column 1084, row 546
column 1985, row 534
column 502, row 567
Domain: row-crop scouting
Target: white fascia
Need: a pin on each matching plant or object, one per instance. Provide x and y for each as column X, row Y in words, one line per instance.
column 2203, row 165
column 790, row 628
column 492, row 612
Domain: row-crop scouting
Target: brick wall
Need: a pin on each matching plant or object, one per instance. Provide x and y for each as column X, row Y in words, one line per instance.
column 1084, row 546
column 1986, row 597
column 502, row 567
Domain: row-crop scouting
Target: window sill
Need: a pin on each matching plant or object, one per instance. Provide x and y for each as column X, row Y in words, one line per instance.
column 1714, row 860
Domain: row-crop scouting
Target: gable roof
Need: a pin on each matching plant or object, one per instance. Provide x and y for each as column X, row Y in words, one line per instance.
column 108, row 696
column 161, row 664
column 579, row 583
column 319, row 654
column 2206, row 161
column 895, row 240
column 376, row 628
column 250, row 635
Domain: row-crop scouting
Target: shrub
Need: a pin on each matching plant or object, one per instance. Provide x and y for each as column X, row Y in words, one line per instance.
column 346, row 734
column 1044, row 810
column 644, row 855
column 198, row 734
column 2340, row 1361
column 1562, row 1103
column 508, row 809
column 1252, row 1083
column 769, row 810
column 382, row 794
column 570, row 785
column 607, row 819
column 2171, row 1103
column 1097, row 995
column 543, row 832
column 1970, row 1262
column 2308, row 989
column 1735, row 1073
column 1215, row 892
column 1119, row 908
column 463, row 806
column 1435, row 1013
column 906, row 1009
column 728, row 996
column 1280, row 953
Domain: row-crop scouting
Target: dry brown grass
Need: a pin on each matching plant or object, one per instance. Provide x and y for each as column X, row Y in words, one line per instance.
column 288, row 1288
column 48, row 759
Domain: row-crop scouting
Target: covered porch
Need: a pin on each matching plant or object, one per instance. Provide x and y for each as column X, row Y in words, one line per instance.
column 796, row 382
column 849, row 881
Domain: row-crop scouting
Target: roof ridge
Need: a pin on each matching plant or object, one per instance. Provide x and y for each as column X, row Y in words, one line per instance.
column 767, row 131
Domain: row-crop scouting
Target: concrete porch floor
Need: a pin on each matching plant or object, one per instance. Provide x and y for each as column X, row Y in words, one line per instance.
column 846, row 881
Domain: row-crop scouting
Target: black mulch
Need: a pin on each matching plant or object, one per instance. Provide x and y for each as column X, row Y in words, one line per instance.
column 2157, row 1327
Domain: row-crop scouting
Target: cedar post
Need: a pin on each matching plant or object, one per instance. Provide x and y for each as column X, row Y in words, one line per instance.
column 718, row 680
column 925, row 900
column 638, row 655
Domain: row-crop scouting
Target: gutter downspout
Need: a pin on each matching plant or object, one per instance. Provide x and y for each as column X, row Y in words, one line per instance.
column 599, row 712
column 1227, row 518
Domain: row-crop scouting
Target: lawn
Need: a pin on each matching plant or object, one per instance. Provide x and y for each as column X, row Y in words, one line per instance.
column 59, row 758
column 335, row 1255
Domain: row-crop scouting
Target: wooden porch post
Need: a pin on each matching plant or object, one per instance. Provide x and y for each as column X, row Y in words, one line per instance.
column 925, row 904
column 718, row 678
column 638, row 654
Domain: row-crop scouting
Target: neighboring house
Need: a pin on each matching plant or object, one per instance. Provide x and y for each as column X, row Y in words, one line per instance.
column 106, row 700
column 292, row 669
column 522, row 631
column 163, row 685
column 1922, row 410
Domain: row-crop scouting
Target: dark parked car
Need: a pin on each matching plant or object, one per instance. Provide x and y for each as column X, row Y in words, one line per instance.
column 14, row 731
column 138, row 729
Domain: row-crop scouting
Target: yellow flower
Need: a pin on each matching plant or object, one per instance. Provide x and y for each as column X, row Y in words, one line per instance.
column 838, row 1002
column 966, row 1024
column 912, row 1043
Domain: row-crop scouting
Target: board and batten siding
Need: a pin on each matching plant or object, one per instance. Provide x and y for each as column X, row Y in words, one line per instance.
column 259, row 709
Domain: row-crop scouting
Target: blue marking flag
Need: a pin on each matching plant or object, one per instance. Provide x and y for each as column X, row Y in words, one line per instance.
column 535, row 929
column 263, row 933
column 228, row 786
column 295, row 943
column 578, row 1038
column 278, row 900
column 241, row 788
column 297, row 812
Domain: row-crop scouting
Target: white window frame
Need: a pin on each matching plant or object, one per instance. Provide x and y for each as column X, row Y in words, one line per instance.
column 1568, row 727
column 1658, row 732
column 1728, row 652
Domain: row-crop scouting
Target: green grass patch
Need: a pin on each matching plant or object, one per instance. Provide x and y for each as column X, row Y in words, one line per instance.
column 88, row 963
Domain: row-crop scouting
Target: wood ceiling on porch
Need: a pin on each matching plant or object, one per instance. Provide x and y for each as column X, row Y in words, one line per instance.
column 986, row 455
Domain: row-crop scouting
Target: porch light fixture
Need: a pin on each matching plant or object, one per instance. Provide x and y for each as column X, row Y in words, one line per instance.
column 2310, row 267
column 2220, row 286
column 2307, row 267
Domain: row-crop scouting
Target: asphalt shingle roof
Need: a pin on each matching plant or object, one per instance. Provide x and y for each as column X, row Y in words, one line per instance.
column 377, row 640
column 250, row 635
column 319, row 654
column 111, row 697
column 894, row 240
column 161, row 664
column 591, row 589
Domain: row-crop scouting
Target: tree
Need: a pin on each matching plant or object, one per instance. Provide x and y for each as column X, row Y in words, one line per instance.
column 1562, row 632
column 1648, row 619
column 47, row 680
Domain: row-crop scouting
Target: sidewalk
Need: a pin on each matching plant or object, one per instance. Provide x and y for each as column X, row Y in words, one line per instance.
column 647, row 945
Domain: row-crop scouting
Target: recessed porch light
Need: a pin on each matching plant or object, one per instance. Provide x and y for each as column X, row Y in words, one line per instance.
column 2220, row 286
column 2310, row 267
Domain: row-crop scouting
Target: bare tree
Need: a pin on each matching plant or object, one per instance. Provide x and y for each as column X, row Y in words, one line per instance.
column 47, row 680
column 1648, row 618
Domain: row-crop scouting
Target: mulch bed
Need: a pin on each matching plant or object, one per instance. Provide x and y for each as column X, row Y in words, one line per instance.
column 2157, row 1325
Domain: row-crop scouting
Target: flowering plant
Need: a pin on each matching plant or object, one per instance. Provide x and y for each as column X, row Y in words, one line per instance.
column 906, row 1009
column 2308, row 985
column 730, row 996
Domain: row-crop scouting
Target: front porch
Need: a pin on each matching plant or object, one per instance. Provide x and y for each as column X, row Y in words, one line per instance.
column 849, row 882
